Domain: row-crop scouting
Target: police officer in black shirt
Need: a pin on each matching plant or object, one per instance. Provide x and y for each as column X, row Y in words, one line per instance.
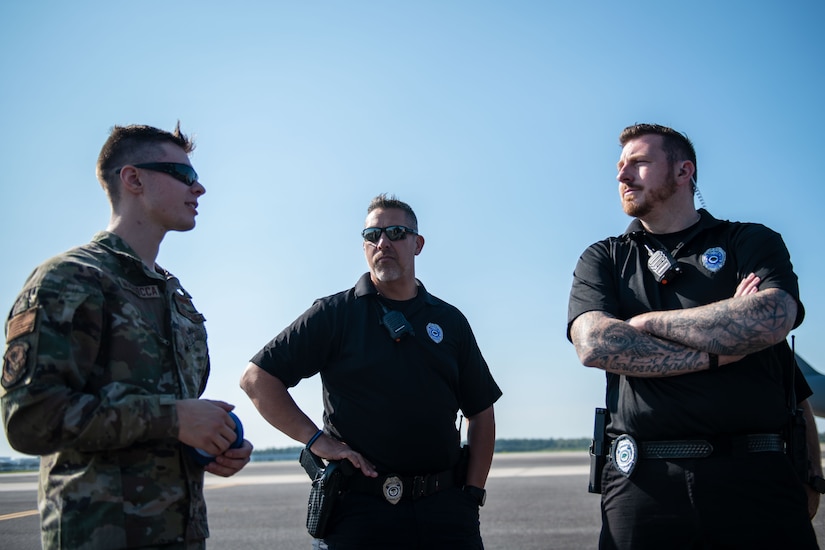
column 688, row 316
column 397, row 364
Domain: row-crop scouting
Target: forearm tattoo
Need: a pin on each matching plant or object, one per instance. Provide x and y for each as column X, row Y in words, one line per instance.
column 616, row 347
column 730, row 327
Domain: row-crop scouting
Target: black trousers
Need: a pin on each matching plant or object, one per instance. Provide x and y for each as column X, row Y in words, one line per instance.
column 447, row 520
column 750, row 501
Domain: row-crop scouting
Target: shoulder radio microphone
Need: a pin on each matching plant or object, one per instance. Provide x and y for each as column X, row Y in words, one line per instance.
column 662, row 265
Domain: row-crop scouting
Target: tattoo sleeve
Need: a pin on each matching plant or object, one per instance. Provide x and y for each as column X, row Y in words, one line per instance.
column 614, row 346
column 737, row 326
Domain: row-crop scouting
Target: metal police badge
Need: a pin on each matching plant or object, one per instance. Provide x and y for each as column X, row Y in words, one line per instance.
column 714, row 259
column 435, row 333
column 625, row 453
column 393, row 489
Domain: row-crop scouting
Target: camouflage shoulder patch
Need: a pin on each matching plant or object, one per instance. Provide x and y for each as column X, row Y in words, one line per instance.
column 14, row 363
column 21, row 324
column 187, row 308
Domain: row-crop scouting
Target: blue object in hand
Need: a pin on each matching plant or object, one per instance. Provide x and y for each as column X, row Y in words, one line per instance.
column 203, row 458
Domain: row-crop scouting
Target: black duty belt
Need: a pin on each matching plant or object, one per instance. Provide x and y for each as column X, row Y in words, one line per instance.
column 700, row 448
column 625, row 452
column 703, row 448
column 393, row 488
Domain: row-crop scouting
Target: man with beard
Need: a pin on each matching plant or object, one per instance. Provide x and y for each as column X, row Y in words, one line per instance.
column 688, row 316
column 397, row 364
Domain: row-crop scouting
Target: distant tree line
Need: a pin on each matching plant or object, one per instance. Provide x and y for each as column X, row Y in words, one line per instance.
column 24, row 464
column 276, row 453
column 502, row 446
column 552, row 444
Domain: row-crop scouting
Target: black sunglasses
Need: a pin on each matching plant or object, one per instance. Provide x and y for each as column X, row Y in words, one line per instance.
column 181, row 172
column 393, row 232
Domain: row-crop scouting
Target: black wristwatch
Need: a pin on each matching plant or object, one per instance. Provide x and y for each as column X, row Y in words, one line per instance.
column 817, row 483
column 481, row 495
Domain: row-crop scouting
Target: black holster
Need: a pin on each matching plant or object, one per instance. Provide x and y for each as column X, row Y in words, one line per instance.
column 599, row 447
column 326, row 486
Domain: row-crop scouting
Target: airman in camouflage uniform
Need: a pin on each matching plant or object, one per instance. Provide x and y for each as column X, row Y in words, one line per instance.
column 102, row 352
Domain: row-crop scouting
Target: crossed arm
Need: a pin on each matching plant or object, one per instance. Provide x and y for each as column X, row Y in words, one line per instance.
column 669, row 343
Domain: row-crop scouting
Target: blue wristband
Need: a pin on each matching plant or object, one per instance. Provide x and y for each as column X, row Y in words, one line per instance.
column 318, row 434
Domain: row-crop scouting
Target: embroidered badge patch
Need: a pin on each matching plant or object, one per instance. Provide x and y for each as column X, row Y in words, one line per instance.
column 714, row 259
column 14, row 363
column 21, row 324
column 187, row 309
column 435, row 332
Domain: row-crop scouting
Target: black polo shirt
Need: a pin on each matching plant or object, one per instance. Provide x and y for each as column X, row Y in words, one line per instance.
column 396, row 402
column 746, row 397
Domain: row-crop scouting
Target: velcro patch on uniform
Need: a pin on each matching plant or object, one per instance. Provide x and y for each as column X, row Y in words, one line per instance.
column 187, row 309
column 14, row 363
column 150, row 291
column 21, row 324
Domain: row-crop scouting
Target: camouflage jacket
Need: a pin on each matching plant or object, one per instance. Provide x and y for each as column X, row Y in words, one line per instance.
column 99, row 348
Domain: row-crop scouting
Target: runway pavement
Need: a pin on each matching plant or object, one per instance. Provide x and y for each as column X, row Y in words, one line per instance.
column 535, row 501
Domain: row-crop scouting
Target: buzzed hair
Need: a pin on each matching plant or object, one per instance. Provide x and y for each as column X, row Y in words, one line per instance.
column 676, row 145
column 131, row 145
column 384, row 202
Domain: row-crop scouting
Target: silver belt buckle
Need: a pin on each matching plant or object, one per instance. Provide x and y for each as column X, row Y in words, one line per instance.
column 625, row 454
column 393, row 489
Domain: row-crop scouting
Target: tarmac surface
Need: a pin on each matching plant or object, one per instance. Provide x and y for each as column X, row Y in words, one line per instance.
column 535, row 501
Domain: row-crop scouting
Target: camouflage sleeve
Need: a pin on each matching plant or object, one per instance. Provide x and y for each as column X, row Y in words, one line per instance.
column 57, row 392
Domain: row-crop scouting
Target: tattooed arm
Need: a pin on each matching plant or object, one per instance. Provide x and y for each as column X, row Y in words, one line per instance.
column 643, row 346
column 737, row 326
column 607, row 343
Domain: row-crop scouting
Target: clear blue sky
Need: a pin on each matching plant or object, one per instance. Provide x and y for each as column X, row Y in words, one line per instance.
column 496, row 121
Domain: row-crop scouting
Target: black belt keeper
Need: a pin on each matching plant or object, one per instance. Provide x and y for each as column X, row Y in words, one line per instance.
column 413, row 487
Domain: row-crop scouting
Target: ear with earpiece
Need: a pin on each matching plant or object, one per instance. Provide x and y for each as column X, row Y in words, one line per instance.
column 683, row 169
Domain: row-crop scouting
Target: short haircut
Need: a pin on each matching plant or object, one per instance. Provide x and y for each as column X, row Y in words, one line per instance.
column 132, row 145
column 676, row 145
column 384, row 202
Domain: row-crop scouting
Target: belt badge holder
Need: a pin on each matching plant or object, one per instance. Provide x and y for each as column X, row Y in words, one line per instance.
column 393, row 489
column 625, row 454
